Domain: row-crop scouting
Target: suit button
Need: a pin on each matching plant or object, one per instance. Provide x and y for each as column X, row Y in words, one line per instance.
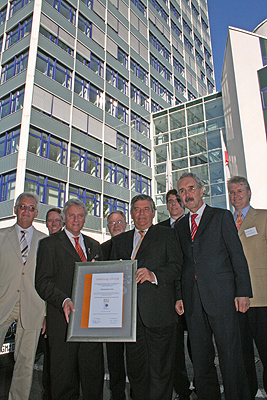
column 18, row 290
column 23, row 273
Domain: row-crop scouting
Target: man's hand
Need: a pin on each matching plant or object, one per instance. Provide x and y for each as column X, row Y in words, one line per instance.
column 43, row 332
column 179, row 307
column 67, row 308
column 242, row 304
column 143, row 274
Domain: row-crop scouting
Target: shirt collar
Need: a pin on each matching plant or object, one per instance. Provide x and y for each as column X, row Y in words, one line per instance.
column 244, row 212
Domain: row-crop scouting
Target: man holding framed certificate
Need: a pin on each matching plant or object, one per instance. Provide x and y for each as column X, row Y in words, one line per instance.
column 150, row 359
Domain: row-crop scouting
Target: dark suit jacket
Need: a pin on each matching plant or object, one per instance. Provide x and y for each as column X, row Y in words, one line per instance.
column 56, row 259
column 166, row 222
column 217, row 259
column 159, row 253
column 106, row 249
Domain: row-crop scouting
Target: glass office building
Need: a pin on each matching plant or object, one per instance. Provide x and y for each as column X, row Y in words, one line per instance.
column 79, row 81
column 188, row 137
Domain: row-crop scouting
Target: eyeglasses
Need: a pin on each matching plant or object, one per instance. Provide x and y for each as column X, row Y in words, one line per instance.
column 238, row 191
column 115, row 222
column 23, row 207
column 191, row 189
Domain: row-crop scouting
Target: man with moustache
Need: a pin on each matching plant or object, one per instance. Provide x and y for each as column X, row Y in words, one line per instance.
column 150, row 359
column 116, row 222
column 215, row 286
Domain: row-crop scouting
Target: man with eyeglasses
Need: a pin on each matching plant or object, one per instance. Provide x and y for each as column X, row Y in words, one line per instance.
column 252, row 230
column 19, row 300
column 116, row 222
column 215, row 287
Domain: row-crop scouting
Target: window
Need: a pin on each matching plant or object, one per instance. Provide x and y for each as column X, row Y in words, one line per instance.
column 140, row 97
column 84, row 161
column 54, row 69
column 141, row 7
column 210, row 86
column 138, row 71
column 85, row 26
column 114, row 173
column 122, row 57
column 209, row 70
column 159, row 9
column 187, row 27
column 110, row 204
column 117, row 109
column 87, row 91
column 161, row 91
column 176, row 29
column 7, row 186
column 155, row 107
column 89, row 198
column 20, row 31
column 3, row 15
column 204, row 25
column 88, row 3
column 195, row 11
column 197, row 42
column 163, row 71
column 64, row 8
column 140, row 184
column 140, row 153
column 199, row 58
column 158, row 46
column 50, row 191
column 93, row 62
column 264, row 98
column 122, row 144
column 9, row 142
column 56, row 40
column 14, row 67
column 47, row 146
column 179, row 86
column 207, row 54
column 17, row 5
column 140, row 124
column 175, row 12
column 188, row 45
column 178, row 66
column 11, row 103
column 116, row 80
column 191, row 96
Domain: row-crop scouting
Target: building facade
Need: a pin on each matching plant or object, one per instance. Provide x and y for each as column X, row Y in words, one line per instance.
column 79, row 81
column 189, row 137
column 244, row 93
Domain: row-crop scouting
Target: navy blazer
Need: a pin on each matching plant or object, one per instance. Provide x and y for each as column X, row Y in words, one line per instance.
column 216, row 259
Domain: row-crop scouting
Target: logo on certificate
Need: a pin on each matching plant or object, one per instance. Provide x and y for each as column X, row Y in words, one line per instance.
column 106, row 304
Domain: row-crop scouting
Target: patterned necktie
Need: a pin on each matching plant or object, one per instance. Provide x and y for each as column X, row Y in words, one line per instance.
column 238, row 220
column 79, row 249
column 193, row 226
column 24, row 247
column 138, row 245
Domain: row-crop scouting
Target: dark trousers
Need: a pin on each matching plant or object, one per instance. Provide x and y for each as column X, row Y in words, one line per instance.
column 75, row 363
column 253, row 325
column 117, row 375
column 225, row 329
column 181, row 383
column 150, row 362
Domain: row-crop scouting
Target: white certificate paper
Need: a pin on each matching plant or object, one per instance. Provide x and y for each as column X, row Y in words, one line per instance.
column 106, row 303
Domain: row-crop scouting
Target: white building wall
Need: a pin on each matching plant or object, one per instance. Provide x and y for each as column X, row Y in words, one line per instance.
column 245, row 128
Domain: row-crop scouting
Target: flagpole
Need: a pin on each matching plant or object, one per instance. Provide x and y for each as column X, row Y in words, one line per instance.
column 226, row 169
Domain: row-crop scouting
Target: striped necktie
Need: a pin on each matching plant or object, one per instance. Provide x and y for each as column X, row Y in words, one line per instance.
column 193, row 226
column 138, row 244
column 79, row 249
column 239, row 221
column 24, row 248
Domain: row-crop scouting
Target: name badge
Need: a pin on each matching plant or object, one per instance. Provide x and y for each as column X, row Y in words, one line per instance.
column 251, row 231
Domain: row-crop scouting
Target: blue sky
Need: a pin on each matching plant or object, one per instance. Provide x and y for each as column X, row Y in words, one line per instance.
column 243, row 14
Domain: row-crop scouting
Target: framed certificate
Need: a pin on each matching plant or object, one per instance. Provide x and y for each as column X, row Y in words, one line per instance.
column 104, row 297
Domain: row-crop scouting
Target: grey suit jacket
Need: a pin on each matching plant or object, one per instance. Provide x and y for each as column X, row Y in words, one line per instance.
column 17, row 279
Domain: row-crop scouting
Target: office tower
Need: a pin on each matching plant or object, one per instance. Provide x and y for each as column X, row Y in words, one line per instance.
column 79, row 80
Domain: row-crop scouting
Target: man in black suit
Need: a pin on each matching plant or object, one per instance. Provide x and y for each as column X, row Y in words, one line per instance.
column 116, row 222
column 181, row 383
column 215, row 286
column 150, row 360
column 70, row 362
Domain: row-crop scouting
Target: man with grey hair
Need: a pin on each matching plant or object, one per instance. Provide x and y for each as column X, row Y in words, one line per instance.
column 71, row 363
column 215, row 286
column 150, row 360
column 252, row 230
column 19, row 300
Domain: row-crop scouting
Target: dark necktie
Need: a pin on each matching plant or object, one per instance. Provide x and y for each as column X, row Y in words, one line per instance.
column 79, row 249
column 24, row 247
column 193, row 226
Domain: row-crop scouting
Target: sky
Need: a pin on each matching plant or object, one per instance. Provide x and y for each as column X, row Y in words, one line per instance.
column 243, row 14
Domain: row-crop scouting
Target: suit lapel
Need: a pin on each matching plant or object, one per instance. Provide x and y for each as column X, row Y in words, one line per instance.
column 147, row 239
column 14, row 240
column 248, row 220
column 207, row 213
column 67, row 245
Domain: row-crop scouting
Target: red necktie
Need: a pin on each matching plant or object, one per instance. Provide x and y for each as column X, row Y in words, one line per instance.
column 79, row 249
column 193, row 226
column 239, row 221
